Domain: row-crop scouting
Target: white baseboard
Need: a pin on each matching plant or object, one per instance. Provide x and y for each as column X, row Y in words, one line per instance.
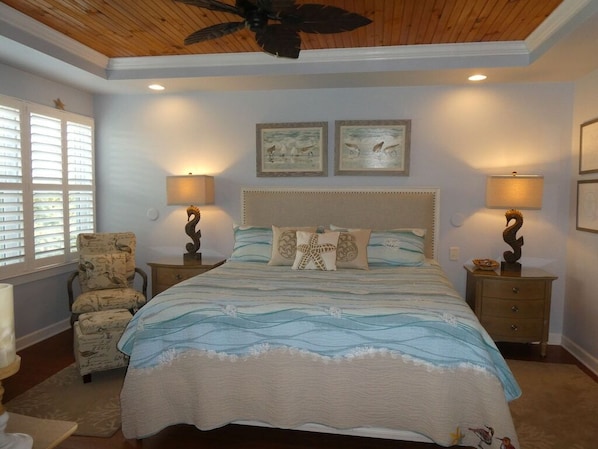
column 42, row 334
column 581, row 354
column 555, row 339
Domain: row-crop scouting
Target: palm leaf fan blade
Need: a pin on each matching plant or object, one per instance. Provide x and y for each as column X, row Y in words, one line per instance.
column 279, row 40
column 214, row 32
column 324, row 19
column 213, row 5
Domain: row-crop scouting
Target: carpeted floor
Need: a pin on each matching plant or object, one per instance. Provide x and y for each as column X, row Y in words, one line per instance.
column 94, row 406
column 558, row 408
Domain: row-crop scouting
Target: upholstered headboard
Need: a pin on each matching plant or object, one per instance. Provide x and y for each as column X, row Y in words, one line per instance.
column 376, row 208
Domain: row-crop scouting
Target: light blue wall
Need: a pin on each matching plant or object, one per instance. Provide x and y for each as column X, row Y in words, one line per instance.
column 459, row 135
column 581, row 312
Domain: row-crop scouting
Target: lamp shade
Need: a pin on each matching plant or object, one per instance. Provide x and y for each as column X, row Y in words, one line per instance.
column 514, row 191
column 189, row 189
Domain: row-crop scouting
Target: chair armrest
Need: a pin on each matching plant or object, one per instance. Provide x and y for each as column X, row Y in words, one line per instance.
column 69, row 287
column 144, row 277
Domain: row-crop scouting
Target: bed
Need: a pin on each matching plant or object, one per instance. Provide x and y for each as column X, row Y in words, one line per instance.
column 382, row 346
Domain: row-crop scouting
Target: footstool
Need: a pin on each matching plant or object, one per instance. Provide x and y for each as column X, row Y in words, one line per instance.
column 96, row 335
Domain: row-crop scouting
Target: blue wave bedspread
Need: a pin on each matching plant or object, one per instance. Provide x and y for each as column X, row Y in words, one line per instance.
column 242, row 312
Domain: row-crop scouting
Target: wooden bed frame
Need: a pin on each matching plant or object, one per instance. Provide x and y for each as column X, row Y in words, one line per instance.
column 375, row 208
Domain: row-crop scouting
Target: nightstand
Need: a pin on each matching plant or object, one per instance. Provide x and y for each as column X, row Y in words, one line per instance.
column 172, row 270
column 512, row 307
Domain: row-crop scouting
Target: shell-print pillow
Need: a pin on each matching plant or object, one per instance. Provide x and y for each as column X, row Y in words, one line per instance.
column 284, row 244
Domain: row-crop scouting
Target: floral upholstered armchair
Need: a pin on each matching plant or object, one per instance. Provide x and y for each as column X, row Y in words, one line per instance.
column 107, row 298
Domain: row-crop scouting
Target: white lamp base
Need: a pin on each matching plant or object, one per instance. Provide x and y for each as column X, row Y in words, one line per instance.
column 13, row 440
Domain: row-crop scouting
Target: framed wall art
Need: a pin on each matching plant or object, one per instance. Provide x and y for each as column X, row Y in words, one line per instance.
column 587, row 205
column 292, row 149
column 372, row 147
column 588, row 147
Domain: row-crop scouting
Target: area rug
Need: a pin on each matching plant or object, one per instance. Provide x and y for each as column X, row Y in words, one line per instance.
column 558, row 408
column 94, row 406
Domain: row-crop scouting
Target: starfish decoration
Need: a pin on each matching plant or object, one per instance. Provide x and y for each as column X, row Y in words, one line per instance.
column 312, row 251
column 58, row 104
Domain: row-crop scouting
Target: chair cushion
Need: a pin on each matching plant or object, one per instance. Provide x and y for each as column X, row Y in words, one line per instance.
column 113, row 298
column 103, row 243
column 102, row 271
column 106, row 320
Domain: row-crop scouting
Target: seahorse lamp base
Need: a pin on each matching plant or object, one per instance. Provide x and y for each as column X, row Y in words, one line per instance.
column 510, row 267
column 192, row 256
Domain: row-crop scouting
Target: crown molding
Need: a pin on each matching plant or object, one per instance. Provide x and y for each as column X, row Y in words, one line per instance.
column 356, row 60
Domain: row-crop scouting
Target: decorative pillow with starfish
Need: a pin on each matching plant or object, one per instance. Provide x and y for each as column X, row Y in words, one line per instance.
column 316, row 251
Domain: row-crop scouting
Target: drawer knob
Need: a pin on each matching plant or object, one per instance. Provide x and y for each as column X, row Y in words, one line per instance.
column 515, row 309
column 515, row 290
column 178, row 277
column 514, row 327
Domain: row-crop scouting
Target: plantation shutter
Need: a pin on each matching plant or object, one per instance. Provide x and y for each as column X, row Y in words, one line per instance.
column 12, row 232
column 80, row 180
column 47, row 188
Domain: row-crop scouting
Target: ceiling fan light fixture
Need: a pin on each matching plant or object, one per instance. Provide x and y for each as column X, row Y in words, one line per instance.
column 276, row 24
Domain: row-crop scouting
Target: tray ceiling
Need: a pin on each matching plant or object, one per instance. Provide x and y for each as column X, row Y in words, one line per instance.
column 127, row 28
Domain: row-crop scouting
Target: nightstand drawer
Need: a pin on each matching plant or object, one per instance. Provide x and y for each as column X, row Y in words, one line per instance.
column 505, row 329
column 172, row 276
column 513, row 289
column 170, row 271
column 507, row 308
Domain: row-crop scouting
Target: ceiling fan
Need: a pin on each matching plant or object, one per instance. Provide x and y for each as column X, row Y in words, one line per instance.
column 280, row 38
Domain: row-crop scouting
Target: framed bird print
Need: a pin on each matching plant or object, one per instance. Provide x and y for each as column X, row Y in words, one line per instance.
column 292, row 149
column 588, row 147
column 587, row 205
column 372, row 147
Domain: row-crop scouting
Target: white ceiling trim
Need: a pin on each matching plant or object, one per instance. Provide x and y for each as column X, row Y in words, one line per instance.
column 361, row 60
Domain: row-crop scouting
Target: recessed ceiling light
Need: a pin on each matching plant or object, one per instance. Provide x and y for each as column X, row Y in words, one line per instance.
column 477, row 77
column 156, row 87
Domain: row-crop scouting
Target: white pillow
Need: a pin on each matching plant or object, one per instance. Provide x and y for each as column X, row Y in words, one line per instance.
column 316, row 251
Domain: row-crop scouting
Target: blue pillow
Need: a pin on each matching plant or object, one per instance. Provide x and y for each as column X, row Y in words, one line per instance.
column 252, row 244
column 397, row 247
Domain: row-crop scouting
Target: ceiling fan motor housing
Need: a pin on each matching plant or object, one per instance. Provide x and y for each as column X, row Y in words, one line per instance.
column 257, row 20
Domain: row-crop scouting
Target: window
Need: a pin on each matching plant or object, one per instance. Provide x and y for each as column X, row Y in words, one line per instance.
column 47, row 187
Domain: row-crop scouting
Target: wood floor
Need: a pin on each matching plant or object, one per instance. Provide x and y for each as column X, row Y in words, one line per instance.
column 44, row 359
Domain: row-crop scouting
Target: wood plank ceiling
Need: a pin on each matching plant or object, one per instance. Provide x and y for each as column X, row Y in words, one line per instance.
column 127, row 28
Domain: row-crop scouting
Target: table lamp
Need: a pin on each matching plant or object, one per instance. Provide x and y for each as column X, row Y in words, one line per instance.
column 191, row 190
column 10, row 363
column 514, row 192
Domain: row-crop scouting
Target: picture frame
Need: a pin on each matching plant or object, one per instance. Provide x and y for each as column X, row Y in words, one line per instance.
column 587, row 205
column 588, row 147
column 292, row 149
column 372, row 147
